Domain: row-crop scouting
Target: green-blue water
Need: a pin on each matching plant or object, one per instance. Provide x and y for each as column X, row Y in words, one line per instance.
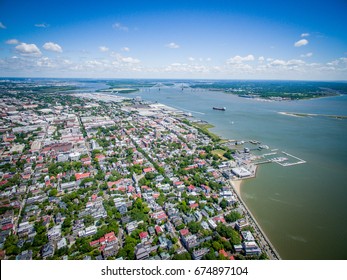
column 301, row 208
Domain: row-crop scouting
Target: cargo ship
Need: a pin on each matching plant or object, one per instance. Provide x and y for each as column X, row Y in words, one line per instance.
column 219, row 108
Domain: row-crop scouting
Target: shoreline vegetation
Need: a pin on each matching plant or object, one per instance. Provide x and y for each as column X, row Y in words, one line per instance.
column 275, row 90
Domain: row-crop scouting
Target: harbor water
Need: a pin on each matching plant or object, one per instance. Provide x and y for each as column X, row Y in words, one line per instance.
column 301, row 208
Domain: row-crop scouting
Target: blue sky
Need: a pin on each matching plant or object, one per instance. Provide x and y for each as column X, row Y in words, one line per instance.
column 237, row 39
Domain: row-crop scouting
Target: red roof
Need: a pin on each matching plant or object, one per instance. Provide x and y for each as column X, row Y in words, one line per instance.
column 100, row 157
column 222, row 252
column 184, row 232
column 6, row 227
column 149, row 169
column 156, row 195
column 85, row 159
column 219, row 219
column 110, row 184
column 101, row 248
column 143, row 234
column 109, row 235
column 26, row 176
column 161, row 216
column 95, row 242
column 194, row 205
column 82, row 175
column 121, row 188
column 158, row 229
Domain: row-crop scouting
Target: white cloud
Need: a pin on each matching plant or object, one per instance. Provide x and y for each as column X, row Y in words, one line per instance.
column 208, row 59
column 172, row 45
column 295, row 62
column 301, row 42
column 45, row 62
column 191, row 58
column 12, row 42
column 278, row 62
column 28, row 49
column 103, row 49
column 239, row 59
column 50, row 46
column 120, row 27
column 307, row 55
column 261, row 59
column 2, row 26
column 130, row 60
column 41, row 25
column 121, row 60
column 126, row 49
column 305, row 34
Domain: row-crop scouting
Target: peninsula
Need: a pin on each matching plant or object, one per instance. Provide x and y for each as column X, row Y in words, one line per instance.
column 99, row 176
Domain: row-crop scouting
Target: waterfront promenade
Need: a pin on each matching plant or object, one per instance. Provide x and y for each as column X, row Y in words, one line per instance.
column 259, row 234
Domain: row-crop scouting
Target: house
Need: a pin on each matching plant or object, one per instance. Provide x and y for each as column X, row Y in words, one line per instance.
column 251, row 248
column 184, row 232
column 61, row 243
column 130, row 227
column 198, row 254
column 141, row 253
column 148, row 169
column 151, row 230
column 25, row 255
column 158, row 229
column 143, row 236
column 47, row 250
column 164, row 256
column 110, row 250
column 237, row 248
column 80, row 176
column 212, row 224
column 122, row 209
column 189, row 241
column 87, row 231
column 227, row 255
column 241, row 223
column 247, row 236
column 54, row 233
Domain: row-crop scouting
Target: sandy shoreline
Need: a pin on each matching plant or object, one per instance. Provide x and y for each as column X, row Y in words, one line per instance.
column 237, row 186
column 263, row 239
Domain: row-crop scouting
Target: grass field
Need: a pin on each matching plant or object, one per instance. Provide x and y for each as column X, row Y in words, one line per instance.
column 219, row 153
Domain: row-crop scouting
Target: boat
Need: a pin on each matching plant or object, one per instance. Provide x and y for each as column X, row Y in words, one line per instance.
column 219, row 108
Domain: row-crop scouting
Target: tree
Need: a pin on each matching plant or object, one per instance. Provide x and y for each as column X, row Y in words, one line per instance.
column 233, row 216
column 223, row 204
column 216, row 245
column 10, row 245
column 194, row 227
column 88, row 220
column 183, row 256
column 53, row 192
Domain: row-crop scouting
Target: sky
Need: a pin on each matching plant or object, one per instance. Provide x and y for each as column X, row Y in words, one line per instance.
column 235, row 39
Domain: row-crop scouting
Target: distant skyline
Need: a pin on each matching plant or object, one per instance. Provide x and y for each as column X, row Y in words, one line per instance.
column 299, row 40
